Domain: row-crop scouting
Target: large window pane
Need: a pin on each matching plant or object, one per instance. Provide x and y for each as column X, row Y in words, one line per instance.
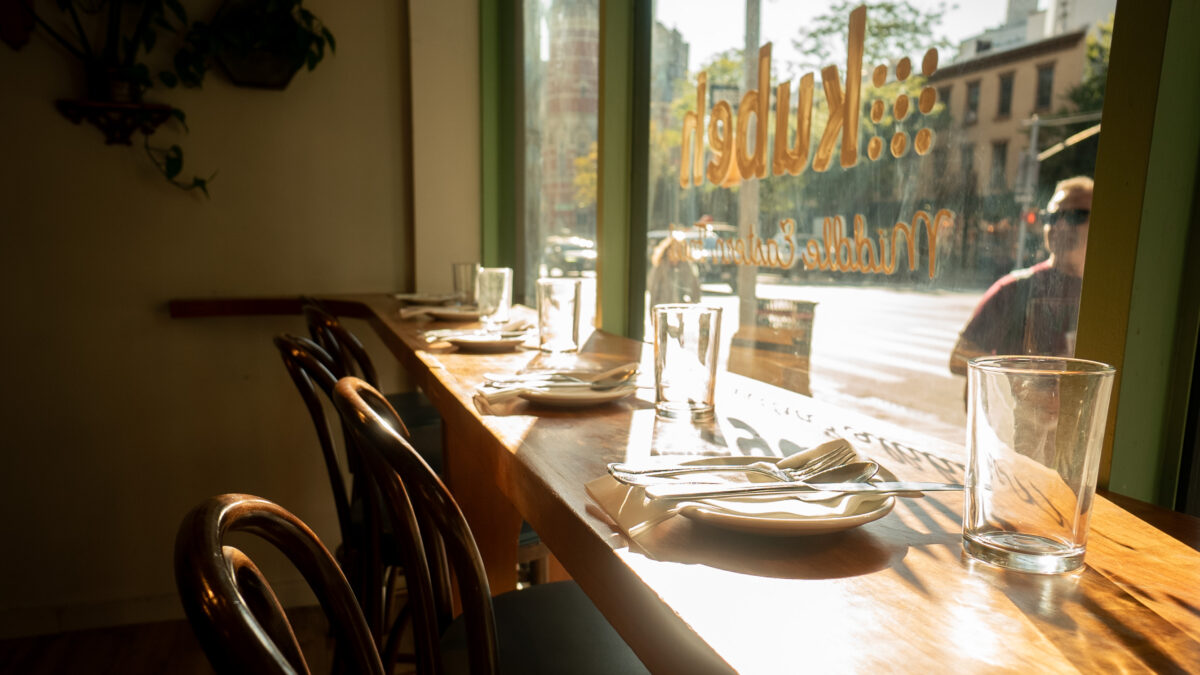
column 809, row 174
column 561, row 88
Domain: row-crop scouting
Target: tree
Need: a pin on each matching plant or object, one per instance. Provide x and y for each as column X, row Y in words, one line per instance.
column 893, row 29
column 1085, row 97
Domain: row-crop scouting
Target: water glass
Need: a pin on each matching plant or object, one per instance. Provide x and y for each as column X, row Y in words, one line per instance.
column 493, row 295
column 1035, row 427
column 686, row 338
column 559, row 304
column 464, row 282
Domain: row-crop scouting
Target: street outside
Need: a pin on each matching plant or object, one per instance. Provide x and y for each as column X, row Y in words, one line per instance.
column 882, row 352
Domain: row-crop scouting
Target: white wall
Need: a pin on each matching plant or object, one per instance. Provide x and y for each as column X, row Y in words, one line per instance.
column 446, row 137
column 118, row 419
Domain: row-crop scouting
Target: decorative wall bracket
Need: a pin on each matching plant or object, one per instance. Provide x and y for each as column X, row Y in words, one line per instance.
column 117, row 121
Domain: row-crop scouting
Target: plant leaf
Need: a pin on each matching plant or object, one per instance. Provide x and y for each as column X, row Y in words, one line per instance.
column 168, row 78
column 177, row 9
column 329, row 38
column 173, row 162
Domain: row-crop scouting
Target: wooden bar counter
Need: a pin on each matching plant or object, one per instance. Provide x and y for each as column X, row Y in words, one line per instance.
column 894, row 595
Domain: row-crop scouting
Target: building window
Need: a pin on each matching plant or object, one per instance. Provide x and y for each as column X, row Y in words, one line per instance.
column 966, row 158
column 1004, row 109
column 999, row 166
column 972, row 115
column 1045, row 86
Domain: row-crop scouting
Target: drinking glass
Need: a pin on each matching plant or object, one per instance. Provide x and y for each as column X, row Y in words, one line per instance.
column 493, row 295
column 464, row 282
column 558, row 302
column 1035, row 427
column 686, row 337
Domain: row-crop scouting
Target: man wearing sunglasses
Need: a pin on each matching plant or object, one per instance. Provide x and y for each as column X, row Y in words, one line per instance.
column 1034, row 310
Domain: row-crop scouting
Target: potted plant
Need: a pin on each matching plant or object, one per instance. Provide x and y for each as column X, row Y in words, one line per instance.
column 113, row 38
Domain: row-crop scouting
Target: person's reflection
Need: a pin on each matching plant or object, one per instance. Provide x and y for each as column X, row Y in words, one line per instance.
column 672, row 275
column 1034, row 310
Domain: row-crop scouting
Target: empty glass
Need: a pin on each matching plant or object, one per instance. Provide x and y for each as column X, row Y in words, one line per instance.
column 685, row 360
column 558, row 302
column 464, row 282
column 1035, row 427
column 493, row 296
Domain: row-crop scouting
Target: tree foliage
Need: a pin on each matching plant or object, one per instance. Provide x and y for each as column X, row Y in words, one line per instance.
column 894, row 29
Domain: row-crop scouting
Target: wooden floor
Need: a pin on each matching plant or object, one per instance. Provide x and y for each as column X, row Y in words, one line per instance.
column 165, row 647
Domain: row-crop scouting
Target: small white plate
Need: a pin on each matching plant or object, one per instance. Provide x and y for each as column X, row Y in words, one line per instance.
column 785, row 517
column 425, row 298
column 453, row 313
column 577, row 397
column 781, row 516
column 486, row 344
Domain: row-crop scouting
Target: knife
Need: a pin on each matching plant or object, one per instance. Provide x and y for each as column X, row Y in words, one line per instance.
column 700, row 491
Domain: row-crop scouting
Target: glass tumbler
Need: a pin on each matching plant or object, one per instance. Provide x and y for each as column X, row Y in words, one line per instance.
column 686, row 338
column 558, row 302
column 464, row 282
column 493, row 296
column 1035, row 427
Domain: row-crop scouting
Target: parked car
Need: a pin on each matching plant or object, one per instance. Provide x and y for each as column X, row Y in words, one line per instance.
column 569, row 256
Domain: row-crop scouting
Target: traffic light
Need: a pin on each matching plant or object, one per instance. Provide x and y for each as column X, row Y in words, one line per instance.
column 1030, row 216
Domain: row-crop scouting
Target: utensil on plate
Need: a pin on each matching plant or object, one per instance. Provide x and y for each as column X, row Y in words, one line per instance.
column 598, row 385
column 616, row 374
column 804, row 489
column 836, row 457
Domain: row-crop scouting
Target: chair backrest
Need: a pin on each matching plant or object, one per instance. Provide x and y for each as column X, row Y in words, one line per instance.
column 421, row 508
column 231, row 607
column 340, row 343
column 312, row 368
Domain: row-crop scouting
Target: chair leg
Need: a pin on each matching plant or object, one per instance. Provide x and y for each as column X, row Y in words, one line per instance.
column 539, row 571
column 391, row 651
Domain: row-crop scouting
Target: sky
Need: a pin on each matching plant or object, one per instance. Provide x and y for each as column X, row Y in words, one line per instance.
column 712, row 26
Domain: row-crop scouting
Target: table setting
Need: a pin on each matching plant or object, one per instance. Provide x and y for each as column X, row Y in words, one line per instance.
column 575, row 384
column 827, row 488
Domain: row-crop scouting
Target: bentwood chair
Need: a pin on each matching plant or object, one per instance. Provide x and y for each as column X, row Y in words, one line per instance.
column 546, row 628
column 231, row 606
column 419, row 415
column 369, row 554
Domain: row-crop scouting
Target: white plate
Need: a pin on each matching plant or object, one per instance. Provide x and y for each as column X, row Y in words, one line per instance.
column 779, row 515
column 425, row 298
column 453, row 314
column 577, row 397
column 485, row 344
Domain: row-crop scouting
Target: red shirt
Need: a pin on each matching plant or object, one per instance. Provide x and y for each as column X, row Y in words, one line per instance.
column 1029, row 311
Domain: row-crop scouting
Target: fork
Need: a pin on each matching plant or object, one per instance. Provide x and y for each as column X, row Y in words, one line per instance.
column 636, row 476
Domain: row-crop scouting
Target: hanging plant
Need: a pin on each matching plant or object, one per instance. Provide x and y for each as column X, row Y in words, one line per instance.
column 258, row 42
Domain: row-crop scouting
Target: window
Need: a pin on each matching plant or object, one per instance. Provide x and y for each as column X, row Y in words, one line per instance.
column 561, row 84
column 966, row 158
column 1045, row 87
column 972, row 114
column 999, row 166
column 847, row 262
column 1004, row 108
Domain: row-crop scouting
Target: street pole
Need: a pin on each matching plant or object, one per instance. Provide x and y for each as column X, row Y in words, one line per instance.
column 1028, row 189
column 748, row 214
